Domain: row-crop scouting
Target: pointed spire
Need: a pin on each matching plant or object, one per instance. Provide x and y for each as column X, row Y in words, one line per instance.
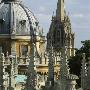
column 51, row 66
column 53, row 13
column 83, row 72
column 31, row 73
column 60, row 10
column 88, row 76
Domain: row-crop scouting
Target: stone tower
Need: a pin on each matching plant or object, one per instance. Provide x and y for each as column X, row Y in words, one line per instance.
column 60, row 33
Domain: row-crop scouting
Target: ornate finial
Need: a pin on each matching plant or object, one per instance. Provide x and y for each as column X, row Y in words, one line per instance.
column 7, row 54
column 83, row 55
column 53, row 13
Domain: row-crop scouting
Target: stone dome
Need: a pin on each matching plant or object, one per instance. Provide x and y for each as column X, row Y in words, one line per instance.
column 16, row 19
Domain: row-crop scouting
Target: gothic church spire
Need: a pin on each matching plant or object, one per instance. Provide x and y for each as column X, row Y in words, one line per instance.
column 60, row 10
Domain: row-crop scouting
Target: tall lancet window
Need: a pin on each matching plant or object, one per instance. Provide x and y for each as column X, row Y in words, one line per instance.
column 24, row 50
column 2, row 21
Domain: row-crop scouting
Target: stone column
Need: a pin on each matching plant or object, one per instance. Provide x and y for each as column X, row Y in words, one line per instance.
column 51, row 67
column 6, row 83
column 71, row 82
column 88, row 76
column 12, row 19
column 12, row 73
column 64, row 69
column 83, row 72
column 16, row 65
column 13, row 48
column 1, row 71
column 31, row 73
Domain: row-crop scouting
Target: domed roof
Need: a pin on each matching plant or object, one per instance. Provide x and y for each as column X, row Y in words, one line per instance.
column 16, row 19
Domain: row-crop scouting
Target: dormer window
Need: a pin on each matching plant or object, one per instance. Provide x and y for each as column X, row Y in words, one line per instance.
column 2, row 21
column 36, row 23
column 23, row 22
column 22, row 26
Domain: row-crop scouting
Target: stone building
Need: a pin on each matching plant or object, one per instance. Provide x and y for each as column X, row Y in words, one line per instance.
column 16, row 25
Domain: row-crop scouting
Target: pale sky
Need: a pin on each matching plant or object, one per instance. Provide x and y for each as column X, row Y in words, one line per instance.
column 78, row 10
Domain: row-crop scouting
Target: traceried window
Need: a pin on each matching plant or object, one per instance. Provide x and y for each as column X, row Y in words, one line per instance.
column 24, row 50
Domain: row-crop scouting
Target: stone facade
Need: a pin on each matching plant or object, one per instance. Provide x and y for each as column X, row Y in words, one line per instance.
column 60, row 32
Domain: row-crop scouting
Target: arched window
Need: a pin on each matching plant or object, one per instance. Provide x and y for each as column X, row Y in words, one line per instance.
column 0, row 49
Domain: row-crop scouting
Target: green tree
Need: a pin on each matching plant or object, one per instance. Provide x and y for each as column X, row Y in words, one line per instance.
column 75, row 62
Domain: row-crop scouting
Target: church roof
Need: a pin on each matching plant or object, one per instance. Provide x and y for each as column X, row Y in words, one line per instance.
column 15, row 18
